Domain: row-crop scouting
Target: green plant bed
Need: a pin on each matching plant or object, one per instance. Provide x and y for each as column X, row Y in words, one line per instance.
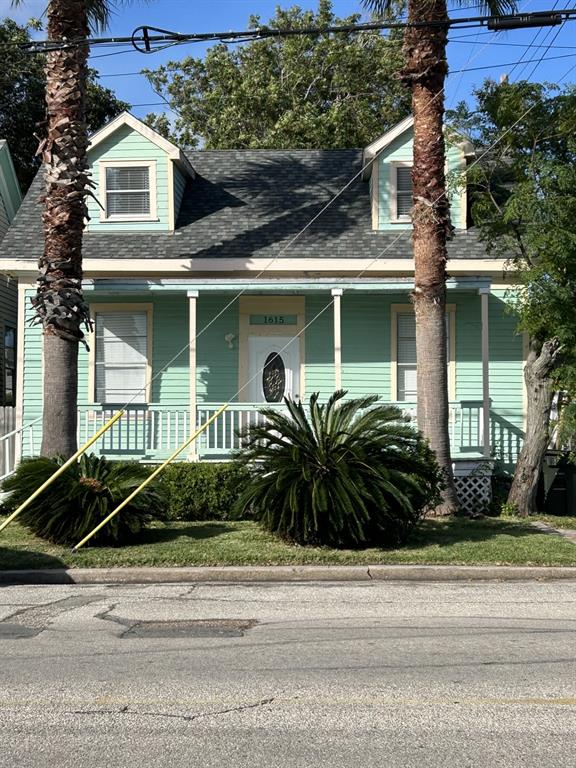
column 452, row 541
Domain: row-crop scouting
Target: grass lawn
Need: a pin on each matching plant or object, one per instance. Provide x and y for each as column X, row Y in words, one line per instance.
column 456, row 541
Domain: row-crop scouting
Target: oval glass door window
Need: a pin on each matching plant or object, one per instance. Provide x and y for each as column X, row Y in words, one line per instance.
column 274, row 378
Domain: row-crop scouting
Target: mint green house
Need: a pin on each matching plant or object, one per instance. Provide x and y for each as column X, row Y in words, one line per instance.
column 244, row 276
column 10, row 199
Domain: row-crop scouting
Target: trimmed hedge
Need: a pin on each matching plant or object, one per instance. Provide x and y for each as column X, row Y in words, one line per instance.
column 203, row 490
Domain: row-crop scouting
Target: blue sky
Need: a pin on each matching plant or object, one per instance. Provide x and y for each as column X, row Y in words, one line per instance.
column 469, row 48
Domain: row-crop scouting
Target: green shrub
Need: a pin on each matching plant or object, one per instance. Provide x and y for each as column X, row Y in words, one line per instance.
column 203, row 490
column 82, row 497
column 349, row 473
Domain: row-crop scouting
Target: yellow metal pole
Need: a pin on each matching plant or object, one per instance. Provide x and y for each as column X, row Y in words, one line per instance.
column 151, row 477
column 61, row 469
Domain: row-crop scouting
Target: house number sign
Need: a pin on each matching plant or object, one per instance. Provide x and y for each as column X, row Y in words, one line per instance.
column 273, row 319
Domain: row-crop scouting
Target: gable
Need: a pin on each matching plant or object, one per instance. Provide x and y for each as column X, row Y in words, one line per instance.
column 148, row 174
column 387, row 161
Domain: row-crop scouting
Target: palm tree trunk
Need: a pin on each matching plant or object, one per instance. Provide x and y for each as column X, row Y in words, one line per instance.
column 425, row 70
column 59, row 302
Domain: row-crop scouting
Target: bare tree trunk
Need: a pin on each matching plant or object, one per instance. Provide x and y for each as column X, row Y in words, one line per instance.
column 542, row 359
column 425, row 70
column 59, row 302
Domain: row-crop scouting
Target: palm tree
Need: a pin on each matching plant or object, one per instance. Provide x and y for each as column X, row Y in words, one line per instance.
column 59, row 302
column 425, row 69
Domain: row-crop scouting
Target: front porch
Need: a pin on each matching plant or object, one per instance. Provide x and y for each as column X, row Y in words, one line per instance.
column 177, row 350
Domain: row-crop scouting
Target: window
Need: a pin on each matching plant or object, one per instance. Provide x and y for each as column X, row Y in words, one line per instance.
column 121, row 356
column 404, row 353
column 401, row 191
column 9, row 365
column 128, row 191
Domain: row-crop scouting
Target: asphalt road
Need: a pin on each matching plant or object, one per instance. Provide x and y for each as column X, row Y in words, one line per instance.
column 307, row 675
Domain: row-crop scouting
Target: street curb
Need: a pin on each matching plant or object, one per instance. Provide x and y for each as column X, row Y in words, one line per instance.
column 282, row 573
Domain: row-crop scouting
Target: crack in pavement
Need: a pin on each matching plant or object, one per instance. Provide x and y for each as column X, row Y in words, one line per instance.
column 187, row 718
column 35, row 619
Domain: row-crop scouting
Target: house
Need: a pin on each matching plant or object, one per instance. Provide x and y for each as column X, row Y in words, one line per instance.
column 10, row 199
column 242, row 276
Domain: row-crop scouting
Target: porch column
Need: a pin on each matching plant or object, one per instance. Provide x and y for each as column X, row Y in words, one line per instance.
column 192, row 296
column 484, row 298
column 337, row 298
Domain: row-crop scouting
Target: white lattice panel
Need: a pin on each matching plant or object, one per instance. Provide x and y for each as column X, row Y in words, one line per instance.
column 474, row 491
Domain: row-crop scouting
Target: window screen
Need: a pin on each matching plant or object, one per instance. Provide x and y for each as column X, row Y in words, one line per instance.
column 9, row 366
column 406, row 354
column 128, row 191
column 403, row 191
column 121, row 357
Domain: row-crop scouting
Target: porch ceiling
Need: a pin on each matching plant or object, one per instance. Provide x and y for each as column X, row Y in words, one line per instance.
column 256, row 287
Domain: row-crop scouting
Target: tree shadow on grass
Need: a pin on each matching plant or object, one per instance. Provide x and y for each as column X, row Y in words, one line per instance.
column 457, row 530
column 171, row 532
column 16, row 559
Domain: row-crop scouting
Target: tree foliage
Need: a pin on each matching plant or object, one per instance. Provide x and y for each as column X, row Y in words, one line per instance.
column 344, row 473
column 22, row 110
column 304, row 92
column 524, row 200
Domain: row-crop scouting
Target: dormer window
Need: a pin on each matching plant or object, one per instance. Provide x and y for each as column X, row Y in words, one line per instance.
column 128, row 190
column 400, row 192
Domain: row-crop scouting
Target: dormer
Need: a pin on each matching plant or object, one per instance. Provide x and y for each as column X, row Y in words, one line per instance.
column 139, row 175
column 387, row 167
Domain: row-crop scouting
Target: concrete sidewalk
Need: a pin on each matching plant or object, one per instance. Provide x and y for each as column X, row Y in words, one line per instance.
column 284, row 573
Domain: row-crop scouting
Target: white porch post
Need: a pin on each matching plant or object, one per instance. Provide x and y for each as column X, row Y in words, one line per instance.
column 192, row 297
column 484, row 298
column 337, row 298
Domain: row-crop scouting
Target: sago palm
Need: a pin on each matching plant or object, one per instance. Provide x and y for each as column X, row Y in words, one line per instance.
column 424, row 71
column 347, row 473
column 59, row 302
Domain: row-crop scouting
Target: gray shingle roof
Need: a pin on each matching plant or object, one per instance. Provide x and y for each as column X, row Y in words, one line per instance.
column 252, row 204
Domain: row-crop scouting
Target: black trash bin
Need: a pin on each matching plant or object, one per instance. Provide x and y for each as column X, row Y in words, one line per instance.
column 557, row 489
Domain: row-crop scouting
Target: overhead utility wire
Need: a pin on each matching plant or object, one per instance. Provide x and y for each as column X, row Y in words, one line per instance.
column 145, row 42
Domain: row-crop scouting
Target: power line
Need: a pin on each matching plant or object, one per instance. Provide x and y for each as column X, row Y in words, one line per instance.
column 145, row 42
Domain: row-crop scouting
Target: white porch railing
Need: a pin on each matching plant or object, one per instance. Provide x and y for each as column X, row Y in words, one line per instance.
column 17, row 442
column 464, row 425
column 145, row 431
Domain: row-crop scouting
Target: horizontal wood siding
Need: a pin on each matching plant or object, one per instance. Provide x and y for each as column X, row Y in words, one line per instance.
column 366, row 344
column 126, row 144
column 179, row 187
column 4, row 220
column 400, row 150
column 506, row 378
column 170, row 336
column 32, row 375
column 217, row 364
column 319, row 346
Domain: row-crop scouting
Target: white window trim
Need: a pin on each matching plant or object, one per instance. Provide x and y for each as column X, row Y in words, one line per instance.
column 397, row 309
column 151, row 165
column 394, row 218
column 94, row 310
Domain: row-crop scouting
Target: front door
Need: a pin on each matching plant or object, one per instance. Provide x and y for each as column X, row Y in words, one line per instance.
column 273, row 368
